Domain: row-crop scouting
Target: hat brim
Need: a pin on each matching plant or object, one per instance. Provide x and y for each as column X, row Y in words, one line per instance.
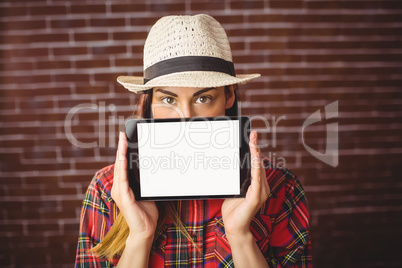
column 200, row 79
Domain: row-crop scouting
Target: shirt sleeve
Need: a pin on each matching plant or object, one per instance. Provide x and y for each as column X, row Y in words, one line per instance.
column 290, row 243
column 95, row 222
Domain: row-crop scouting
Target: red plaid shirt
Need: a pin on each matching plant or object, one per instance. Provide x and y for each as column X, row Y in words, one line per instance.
column 280, row 228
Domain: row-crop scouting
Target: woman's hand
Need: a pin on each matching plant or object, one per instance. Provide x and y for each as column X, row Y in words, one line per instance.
column 141, row 216
column 237, row 213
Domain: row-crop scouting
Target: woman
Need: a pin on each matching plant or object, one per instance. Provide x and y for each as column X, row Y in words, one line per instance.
column 188, row 71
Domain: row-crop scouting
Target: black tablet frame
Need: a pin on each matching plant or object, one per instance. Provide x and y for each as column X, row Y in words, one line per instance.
column 245, row 163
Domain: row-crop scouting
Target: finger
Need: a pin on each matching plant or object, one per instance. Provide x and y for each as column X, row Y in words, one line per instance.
column 255, row 161
column 120, row 172
column 122, row 158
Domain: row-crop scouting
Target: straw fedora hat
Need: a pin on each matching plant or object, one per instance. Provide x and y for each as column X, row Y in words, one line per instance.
column 186, row 51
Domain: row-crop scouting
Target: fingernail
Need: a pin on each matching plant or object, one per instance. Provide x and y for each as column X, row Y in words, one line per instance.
column 121, row 135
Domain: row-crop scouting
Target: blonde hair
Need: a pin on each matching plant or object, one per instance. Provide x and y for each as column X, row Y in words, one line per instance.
column 115, row 240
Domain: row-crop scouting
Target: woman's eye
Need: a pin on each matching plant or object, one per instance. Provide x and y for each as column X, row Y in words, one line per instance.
column 169, row 100
column 203, row 99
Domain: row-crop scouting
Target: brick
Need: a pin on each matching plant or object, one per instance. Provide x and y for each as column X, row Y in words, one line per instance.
column 138, row 35
column 71, row 203
column 42, row 227
column 286, row 4
column 339, row 71
column 60, row 191
column 36, row 104
column 108, row 50
column 8, row 105
column 33, row 255
column 167, row 7
column 267, row 45
column 237, row 46
column 108, row 22
column 16, row 143
column 246, row 32
column 11, row 180
column 93, row 90
column 128, row 62
column 87, row 9
column 54, row 240
column 11, row 11
column 39, row 154
column 60, row 255
column 285, row 58
column 73, row 103
column 76, row 77
column 17, row 66
column 8, row 228
column 23, row 192
column 48, row 10
column 353, row 58
column 247, row 5
column 67, row 213
column 90, row 64
column 27, row 79
column 12, row 205
column 88, row 118
column 372, row 31
column 354, row 5
column 202, row 6
column 36, row 206
column 46, row 117
column 82, row 129
column 71, row 227
column 88, row 165
column 343, row 45
column 249, row 58
column 77, row 179
column 68, row 24
column 46, row 167
column 77, row 152
column 24, row 53
column 54, row 64
column 126, row 8
column 93, row 36
column 59, row 90
column 62, row 51
column 39, row 181
column 22, row 25
column 109, row 77
column 142, row 21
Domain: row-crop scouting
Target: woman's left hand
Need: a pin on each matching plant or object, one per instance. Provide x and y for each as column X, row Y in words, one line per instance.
column 237, row 213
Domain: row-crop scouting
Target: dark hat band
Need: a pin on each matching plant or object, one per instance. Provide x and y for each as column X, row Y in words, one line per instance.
column 188, row 64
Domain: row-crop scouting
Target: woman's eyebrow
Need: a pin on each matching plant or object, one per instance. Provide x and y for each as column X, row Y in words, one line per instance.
column 166, row 92
column 175, row 95
column 203, row 90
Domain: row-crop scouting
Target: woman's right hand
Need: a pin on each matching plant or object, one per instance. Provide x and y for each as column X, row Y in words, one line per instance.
column 141, row 216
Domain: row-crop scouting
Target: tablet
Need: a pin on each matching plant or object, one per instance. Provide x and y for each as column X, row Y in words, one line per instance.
column 188, row 158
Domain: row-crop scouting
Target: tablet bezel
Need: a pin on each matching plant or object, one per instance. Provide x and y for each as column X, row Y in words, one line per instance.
column 244, row 155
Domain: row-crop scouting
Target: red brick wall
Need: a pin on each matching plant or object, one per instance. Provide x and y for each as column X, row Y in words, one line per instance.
column 59, row 54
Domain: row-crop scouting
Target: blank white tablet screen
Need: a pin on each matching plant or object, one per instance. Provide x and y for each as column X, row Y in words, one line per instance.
column 193, row 158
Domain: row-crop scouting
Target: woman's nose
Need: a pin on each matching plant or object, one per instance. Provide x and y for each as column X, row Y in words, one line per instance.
column 187, row 111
